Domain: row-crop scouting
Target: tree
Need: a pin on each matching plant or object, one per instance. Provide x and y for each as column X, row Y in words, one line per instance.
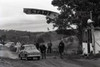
column 81, row 7
column 40, row 40
column 75, row 12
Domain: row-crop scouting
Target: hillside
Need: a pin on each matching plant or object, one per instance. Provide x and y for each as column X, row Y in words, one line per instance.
column 29, row 37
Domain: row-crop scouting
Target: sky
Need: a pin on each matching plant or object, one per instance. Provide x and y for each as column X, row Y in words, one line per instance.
column 12, row 16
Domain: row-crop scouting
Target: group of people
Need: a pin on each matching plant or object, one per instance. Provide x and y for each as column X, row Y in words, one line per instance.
column 43, row 49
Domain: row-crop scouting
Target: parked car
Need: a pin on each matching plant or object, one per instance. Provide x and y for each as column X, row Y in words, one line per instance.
column 29, row 51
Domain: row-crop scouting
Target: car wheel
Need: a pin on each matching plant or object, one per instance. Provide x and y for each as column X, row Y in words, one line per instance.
column 20, row 57
column 38, row 58
column 26, row 57
column 31, row 58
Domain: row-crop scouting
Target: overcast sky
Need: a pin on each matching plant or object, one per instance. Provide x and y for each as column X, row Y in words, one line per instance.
column 12, row 16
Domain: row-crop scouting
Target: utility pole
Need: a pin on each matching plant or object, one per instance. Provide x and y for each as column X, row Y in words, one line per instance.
column 92, row 32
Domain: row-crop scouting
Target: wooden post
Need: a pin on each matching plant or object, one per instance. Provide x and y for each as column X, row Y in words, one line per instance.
column 93, row 38
column 88, row 41
column 92, row 32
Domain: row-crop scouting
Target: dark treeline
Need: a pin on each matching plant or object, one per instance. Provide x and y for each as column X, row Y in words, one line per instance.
column 15, row 36
column 28, row 37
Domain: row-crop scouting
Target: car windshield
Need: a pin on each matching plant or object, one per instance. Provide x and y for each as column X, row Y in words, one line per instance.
column 30, row 47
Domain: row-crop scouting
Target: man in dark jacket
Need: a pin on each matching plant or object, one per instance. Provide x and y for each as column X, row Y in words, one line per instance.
column 49, row 47
column 37, row 45
column 61, row 48
column 43, row 51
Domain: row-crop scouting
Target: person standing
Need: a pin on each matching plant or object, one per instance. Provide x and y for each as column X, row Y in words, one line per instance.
column 37, row 45
column 18, row 45
column 43, row 51
column 61, row 48
column 49, row 50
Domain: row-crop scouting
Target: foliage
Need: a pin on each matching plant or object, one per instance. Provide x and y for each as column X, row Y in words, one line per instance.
column 40, row 40
column 15, row 36
column 75, row 12
column 80, row 5
column 28, row 37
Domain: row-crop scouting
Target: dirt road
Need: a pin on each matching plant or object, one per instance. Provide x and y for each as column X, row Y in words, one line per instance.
column 10, row 59
column 50, row 62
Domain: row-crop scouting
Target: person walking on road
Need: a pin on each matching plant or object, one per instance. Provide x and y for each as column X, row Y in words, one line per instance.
column 61, row 48
column 43, row 51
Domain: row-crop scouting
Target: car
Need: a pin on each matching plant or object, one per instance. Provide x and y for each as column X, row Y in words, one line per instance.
column 29, row 51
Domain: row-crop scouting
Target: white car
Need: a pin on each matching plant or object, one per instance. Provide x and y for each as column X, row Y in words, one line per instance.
column 29, row 51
